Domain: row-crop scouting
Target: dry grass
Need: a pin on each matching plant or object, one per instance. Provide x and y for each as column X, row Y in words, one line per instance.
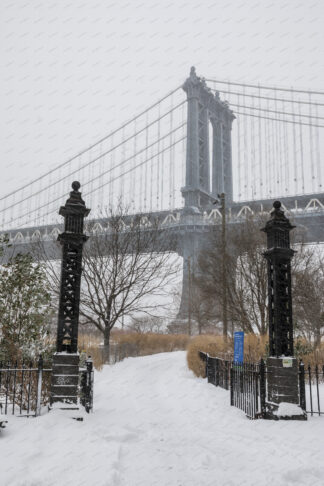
column 213, row 345
column 153, row 343
column 255, row 348
column 124, row 344
column 309, row 356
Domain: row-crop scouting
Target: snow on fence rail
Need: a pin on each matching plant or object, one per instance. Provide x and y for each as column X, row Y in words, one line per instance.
column 25, row 388
column 247, row 383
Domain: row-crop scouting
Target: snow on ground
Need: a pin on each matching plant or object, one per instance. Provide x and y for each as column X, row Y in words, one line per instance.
column 154, row 423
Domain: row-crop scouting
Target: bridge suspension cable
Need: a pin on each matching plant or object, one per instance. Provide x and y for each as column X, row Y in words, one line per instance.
column 276, row 151
column 287, row 123
column 95, row 144
column 260, row 86
column 133, row 149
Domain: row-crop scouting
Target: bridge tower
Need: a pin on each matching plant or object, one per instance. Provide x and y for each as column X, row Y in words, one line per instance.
column 208, row 172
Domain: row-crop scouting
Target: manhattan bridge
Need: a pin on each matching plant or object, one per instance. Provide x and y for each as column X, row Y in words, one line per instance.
column 255, row 143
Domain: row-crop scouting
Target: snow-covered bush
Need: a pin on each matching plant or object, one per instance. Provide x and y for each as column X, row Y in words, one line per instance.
column 25, row 309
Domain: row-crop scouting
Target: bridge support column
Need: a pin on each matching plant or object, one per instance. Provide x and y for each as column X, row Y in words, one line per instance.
column 190, row 193
column 189, row 249
column 222, row 178
column 203, row 109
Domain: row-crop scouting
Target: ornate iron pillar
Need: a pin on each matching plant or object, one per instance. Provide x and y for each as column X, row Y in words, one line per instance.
column 72, row 240
column 279, row 255
column 65, row 373
column 282, row 367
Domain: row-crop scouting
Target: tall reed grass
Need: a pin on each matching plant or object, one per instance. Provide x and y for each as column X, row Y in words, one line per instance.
column 255, row 348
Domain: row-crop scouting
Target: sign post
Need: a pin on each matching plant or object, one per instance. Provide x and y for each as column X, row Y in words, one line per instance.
column 238, row 347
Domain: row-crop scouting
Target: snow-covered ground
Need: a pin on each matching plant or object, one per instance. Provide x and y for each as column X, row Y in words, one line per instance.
column 156, row 424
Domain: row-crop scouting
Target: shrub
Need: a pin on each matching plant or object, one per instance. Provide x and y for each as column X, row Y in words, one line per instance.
column 213, row 345
column 254, row 349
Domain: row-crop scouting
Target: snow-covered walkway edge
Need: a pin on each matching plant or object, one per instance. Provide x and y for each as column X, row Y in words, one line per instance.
column 154, row 423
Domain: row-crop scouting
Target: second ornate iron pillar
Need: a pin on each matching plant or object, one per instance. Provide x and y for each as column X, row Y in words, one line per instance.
column 65, row 374
column 279, row 255
column 282, row 367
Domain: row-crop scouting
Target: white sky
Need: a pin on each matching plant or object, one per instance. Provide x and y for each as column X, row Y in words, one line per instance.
column 73, row 70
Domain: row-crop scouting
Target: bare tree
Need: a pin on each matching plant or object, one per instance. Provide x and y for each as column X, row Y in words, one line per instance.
column 144, row 324
column 246, row 280
column 126, row 271
column 308, row 294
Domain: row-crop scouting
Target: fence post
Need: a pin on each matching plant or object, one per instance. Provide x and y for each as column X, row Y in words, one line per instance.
column 217, row 373
column 89, row 385
column 39, row 386
column 226, row 374
column 232, row 385
column 302, row 392
column 262, row 389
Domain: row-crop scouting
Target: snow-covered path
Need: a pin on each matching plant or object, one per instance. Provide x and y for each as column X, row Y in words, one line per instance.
column 156, row 424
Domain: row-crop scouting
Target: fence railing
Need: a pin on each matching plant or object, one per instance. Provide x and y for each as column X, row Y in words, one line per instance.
column 248, row 388
column 217, row 370
column 86, row 386
column 25, row 388
column 311, row 385
column 247, row 383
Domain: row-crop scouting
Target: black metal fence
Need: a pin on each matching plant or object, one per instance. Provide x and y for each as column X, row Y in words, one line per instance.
column 245, row 381
column 86, row 386
column 25, row 388
column 248, row 385
column 217, row 370
column 248, row 388
column 311, row 385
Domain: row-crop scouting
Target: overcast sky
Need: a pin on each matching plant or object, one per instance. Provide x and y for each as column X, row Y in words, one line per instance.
column 73, row 70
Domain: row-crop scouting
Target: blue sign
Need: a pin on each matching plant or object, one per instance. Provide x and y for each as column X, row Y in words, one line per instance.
column 238, row 347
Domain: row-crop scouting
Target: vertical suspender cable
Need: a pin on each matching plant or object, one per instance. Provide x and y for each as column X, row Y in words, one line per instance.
column 131, row 183
column 246, row 175
column 146, row 157
column 253, row 164
column 301, row 151
column 286, row 152
column 260, row 149
column 279, row 190
column 111, row 174
column 158, row 159
column 121, row 185
column 238, row 125
column 318, row 156
column 173, row 164
column 311, row 145
column 170, row 160
column 184, row 144
column 295, row 155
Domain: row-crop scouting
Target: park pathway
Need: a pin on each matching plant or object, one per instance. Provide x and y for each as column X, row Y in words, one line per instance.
column 155, row 423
